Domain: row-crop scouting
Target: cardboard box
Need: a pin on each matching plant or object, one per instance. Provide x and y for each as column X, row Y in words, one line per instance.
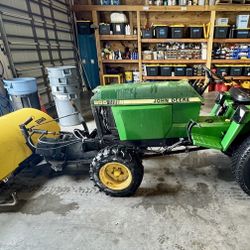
column 242, row 21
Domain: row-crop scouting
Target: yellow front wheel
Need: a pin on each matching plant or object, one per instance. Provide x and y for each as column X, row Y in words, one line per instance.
column 117, row 171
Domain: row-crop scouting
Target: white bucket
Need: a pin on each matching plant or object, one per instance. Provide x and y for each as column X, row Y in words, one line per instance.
column 62, row 71
column 65, row 108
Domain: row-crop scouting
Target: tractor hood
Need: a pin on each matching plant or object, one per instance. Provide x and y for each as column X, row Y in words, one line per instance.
column 145, row 93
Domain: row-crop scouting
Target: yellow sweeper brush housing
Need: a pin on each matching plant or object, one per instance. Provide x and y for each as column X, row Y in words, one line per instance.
column 13, row 148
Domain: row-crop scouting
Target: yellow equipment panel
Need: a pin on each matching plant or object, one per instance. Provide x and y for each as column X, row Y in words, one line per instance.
column 13, row 148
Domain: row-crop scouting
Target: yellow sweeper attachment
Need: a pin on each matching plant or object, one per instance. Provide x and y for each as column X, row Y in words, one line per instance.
column 13, row 148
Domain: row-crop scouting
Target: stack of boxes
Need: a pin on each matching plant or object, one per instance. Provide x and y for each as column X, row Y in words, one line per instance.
column 241, row 30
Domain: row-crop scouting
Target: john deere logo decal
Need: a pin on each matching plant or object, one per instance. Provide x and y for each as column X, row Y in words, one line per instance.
column 147, row 101
column 172, row 100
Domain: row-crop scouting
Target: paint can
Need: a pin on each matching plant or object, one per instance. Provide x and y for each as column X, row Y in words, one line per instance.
column 128, row 76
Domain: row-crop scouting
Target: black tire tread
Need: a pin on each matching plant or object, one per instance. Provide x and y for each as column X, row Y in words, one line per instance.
column 121, row 154
column 240, row 161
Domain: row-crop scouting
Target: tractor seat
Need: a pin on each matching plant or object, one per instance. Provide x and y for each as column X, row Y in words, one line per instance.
column 240, row 95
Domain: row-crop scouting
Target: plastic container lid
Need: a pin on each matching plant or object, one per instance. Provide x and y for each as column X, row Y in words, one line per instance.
column 195, row 26
column 177, row 26
column 242, row 29
column 160, row 25
column 21, row 86
column 222, row 26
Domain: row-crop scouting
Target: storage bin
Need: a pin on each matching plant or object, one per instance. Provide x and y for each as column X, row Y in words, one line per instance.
column 241, row 33
column 118, row 28
column 189, row 71
column 222, row 70
column 21, row 86
column 152, row 70
column 235, row 70
column 221, row 31
column 161, row 31
column 104, row 29
column 23, row 92
column 147, row 33
column 25, row 101
column 196, row 31
column 166, row 70
column 180, row 70
column 103, row 2
column 115, row 2
column 246, row 70
column 83, row 27
column 177, row 31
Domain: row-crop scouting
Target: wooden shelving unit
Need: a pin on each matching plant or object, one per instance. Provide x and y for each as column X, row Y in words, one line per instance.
column 171, row 40
column 143, row 8
column 120, row 61
column 238, row 77
column 145, row 78
column 138, row 17
column 218, row 61
column 175, row 61
column 118, row 38
column 232, row 40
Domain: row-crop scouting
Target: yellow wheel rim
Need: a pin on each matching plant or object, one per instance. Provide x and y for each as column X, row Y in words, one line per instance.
column 115, row 175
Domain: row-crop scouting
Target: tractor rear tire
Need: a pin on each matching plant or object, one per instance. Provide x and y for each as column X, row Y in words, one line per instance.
column 241, row 165
column 117, row 171
column 234, row 160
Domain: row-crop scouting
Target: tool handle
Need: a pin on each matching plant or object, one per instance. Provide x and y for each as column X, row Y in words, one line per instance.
column 29, row 120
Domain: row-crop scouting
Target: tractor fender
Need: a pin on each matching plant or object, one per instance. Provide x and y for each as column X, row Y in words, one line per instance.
column 239, row 126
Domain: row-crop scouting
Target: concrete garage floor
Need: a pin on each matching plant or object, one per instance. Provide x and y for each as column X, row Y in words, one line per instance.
column 186, row 201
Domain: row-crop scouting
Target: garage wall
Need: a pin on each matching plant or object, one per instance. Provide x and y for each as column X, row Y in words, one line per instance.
column 39, row 34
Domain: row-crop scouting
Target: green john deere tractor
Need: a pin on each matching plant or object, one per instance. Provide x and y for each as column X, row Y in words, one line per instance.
column 132, row 118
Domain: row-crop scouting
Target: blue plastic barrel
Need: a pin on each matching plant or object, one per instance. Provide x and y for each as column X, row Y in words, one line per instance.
column 21, row 86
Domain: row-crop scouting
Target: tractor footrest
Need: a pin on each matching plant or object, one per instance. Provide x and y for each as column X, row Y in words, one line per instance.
column 206, row 141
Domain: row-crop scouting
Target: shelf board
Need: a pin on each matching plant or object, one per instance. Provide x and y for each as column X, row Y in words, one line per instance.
column 169, row 40
column 118, row 38
column 175, row 61
column 238, row 77
column 193, row 8
column 232, row 40
column 120, row 61
column 173, row 77
column 231, row 61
